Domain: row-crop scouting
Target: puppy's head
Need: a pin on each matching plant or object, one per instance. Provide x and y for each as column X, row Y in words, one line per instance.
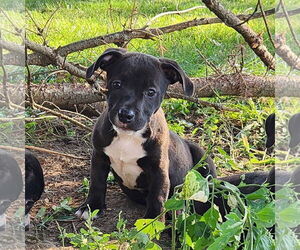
column 136, row 85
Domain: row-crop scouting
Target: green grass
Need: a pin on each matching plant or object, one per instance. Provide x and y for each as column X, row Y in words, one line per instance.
column 76, row 20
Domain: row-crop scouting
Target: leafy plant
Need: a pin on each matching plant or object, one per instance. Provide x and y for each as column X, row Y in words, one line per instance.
column 139, row 237
column 60, row 212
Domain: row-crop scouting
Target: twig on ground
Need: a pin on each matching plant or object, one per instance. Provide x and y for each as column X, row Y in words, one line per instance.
column 35, row 105
column 68, row 111
column 43, row 150
column 54, row 152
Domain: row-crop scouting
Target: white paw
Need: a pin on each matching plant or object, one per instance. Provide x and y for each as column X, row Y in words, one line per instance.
column 27, row 220
column 2, row 222
column 84, row 214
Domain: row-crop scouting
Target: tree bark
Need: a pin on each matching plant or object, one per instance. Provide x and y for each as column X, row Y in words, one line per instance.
column 254, row 40
column 286, row 53
column 68, row 95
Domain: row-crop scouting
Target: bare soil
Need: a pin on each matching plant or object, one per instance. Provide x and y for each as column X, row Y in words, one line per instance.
column 63, row 178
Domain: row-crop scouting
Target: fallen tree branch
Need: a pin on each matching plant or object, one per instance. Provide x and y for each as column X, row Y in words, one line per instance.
column 286, row 53
column 43, row 150
column 69, row 95
column 254, row 40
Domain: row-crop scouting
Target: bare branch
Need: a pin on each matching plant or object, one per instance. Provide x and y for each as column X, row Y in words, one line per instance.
column 266, row 22
column 254, row 40
column 286, row 53
column 286, row 14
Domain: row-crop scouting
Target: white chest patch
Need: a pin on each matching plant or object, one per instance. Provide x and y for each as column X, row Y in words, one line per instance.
column 124, row 151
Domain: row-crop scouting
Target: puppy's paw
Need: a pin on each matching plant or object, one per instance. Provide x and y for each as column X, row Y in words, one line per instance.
column 27, row 221
column 2, row 222
column 84, row 212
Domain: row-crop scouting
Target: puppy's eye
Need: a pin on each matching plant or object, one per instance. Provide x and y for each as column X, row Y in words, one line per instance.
column 116, row 84
column 151, row 92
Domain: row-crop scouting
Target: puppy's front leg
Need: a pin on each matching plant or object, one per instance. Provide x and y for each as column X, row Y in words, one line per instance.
column 100, row 167
column 158, row 192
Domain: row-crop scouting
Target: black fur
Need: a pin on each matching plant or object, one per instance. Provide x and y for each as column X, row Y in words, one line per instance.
column 294, row 130
column 34, row 181
column 11, row 182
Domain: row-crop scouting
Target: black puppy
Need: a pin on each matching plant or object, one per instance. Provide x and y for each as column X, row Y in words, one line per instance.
column 294, row 130
column 34, row 184
column 11, row 184
column 132, row 138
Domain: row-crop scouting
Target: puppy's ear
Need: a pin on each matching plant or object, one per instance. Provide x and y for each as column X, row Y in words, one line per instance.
column 108, row 57
column 174, row 73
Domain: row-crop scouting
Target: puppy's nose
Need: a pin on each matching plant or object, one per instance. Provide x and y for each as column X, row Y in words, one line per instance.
column 126, row 115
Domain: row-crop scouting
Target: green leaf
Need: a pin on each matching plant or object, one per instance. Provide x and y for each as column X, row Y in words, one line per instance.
column 195, row 187
column 286, row 239
column 41, row 213
column 211, row 217
column 174, row 204
column 289, row 216
column 229, row 230
column 151, row 227
column 262, row 239
column 266, row 216
column 196, row 228
column 261, row 193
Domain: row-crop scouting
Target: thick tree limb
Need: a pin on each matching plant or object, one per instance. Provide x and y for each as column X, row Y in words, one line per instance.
column 127, row 35
column 286, row 53
column 67, row 95
column 254, row 40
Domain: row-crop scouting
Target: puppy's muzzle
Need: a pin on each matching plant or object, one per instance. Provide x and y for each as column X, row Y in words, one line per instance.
column 126, row 115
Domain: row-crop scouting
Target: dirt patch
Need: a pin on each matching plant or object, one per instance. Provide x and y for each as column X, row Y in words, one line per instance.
column 63, row 178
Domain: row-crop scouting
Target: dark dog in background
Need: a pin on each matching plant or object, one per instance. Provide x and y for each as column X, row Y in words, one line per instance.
column 11, row 184
column 256, row 179
column 34, row 183
column 132, row 136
